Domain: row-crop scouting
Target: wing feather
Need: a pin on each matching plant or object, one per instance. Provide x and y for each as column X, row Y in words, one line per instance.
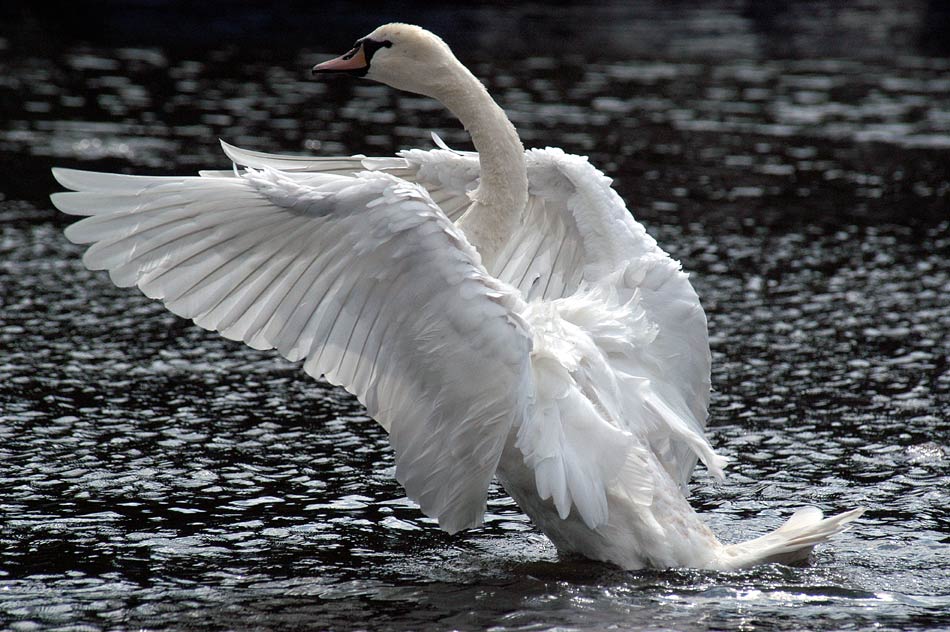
column 577, row 233
column 363, row 278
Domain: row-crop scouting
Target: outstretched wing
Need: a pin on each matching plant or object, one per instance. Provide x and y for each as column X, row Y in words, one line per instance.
column 576, row 232
column 363, row 278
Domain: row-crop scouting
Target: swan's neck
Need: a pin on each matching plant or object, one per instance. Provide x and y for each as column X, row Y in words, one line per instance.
column 503, row 190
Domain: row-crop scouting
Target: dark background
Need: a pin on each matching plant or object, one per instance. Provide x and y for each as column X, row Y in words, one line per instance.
column 780, row 28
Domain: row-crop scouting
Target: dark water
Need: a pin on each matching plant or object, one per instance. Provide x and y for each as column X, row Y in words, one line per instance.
column 155, row 476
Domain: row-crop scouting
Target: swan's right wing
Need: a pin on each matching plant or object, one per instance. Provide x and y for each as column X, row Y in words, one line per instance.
column 362, row 278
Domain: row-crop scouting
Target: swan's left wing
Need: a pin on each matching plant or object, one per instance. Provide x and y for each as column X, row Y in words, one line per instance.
column 363, row 278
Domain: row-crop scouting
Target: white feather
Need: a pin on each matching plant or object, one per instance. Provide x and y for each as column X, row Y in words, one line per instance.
column 282, row 265
column 576, row 231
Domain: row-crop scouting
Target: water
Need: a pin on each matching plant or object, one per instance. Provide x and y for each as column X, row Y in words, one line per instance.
column 155, row 476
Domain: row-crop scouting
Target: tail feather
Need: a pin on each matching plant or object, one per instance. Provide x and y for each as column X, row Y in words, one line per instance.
column 791, row 542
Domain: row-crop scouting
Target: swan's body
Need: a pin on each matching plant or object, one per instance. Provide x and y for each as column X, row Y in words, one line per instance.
column 499, row 313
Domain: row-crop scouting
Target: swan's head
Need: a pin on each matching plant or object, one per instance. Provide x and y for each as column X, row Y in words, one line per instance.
column 403, row 56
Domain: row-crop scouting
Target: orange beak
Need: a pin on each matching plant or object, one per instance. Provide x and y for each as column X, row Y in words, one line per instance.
column 353, row 62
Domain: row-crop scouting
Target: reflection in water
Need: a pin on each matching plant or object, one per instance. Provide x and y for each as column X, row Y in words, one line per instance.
column 157, row 476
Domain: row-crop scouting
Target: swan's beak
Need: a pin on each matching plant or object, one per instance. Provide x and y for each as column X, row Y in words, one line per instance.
column 354, row 63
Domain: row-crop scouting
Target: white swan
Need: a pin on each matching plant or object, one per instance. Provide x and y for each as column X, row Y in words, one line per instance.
column 543, row 337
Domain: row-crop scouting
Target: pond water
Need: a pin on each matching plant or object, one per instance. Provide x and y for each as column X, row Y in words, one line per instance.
column 156, row 476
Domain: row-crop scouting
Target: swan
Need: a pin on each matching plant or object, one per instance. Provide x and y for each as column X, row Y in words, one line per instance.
column 500, row 313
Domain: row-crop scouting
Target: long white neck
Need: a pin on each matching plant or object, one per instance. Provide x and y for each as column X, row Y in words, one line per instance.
column 503, row 191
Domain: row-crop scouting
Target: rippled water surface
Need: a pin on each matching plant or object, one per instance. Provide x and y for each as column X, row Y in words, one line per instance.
column 155, row 476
